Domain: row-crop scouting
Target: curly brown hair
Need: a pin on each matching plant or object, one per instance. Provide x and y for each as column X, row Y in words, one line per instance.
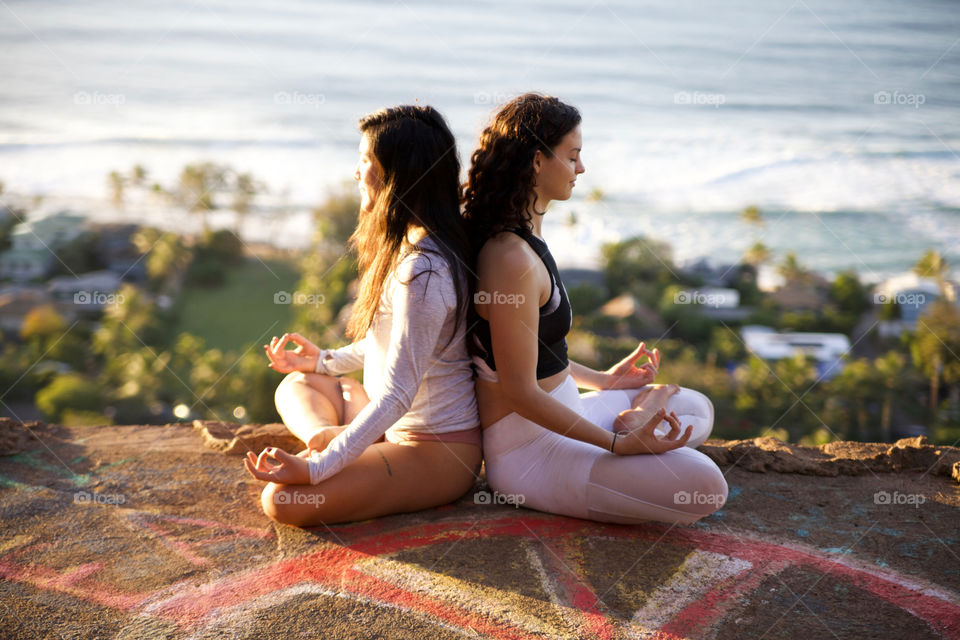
column 501, row 178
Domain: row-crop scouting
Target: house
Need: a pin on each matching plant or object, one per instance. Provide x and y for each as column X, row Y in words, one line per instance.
column 718, row 303
column 18, row 301
column 809, row 293
column 118, row 252
column 828, row 349
column 87, row 292
column 34, row 243
column 723, row 275
column 627, row 308
column 912, row 294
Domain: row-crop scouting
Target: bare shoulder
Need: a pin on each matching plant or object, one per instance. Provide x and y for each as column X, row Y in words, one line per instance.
column 508, row 252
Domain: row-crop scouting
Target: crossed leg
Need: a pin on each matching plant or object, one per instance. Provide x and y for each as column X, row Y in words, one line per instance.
column 315, row 406
column 387, row 478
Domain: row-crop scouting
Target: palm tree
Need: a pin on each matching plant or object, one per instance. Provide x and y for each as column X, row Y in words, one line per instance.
column 167, row 255
column 245, row 189
column 138, row 175
column 757, row 254
column 752, row 215
column 792, row 270
column 934, row 345
column 933, row 265
column 196, row 187
column 890, row 368
column 116, row 182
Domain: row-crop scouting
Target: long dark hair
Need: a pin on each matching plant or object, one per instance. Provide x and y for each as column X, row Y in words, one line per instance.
column 420, row 184
column 501, row 178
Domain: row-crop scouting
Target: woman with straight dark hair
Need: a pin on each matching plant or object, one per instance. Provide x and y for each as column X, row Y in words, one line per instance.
column 616, row 454
column 408, row 438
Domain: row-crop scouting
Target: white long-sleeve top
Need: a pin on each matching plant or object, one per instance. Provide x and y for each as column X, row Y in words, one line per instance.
column 416, row 371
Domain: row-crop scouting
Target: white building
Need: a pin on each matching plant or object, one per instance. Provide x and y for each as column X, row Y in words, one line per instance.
column 34, row 243
column 87, row 291
column 913, row 295
column 828, row 349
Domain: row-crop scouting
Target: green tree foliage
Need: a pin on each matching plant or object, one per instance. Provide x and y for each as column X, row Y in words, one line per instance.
column 223, row 246
column 133, row 322
column 166, row 255
column 138, row 175
column 43, row 324
column 745, row 283
column 80, row 255
column 216, row 252
column 137, row 380
column 81, row 418
column 899, row 382
column 856, row 397
column 752, row 215
column 585, row 298
column 641, row 266
column 69, row 391
column 935, row 346
column 849, row 294
column 72, row 348
column 9, row 217
column 196, row 187
column 20, row 377
column 779, row 395
column 791, row 269
column 686, row 320
column 244, row 188
column 116, row 183
column 328, row 268
column 726, row 345
column 932, row 265
column 757, row 254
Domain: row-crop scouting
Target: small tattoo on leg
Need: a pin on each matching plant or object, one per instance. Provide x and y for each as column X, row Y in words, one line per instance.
column 389, row 473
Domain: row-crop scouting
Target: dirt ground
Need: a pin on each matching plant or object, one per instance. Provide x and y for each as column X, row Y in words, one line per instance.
column 156, row 532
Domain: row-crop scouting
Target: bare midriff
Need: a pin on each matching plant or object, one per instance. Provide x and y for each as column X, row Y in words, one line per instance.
column 494, row 406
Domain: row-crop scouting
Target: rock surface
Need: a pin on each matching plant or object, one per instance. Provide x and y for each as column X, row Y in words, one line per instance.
column 836, row 458
column 147, row 532
column 237, row 439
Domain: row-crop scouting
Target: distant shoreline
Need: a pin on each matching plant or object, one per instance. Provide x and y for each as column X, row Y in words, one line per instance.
column 288, row 226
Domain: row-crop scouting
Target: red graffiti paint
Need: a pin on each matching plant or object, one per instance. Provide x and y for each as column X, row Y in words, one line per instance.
column 334, row 566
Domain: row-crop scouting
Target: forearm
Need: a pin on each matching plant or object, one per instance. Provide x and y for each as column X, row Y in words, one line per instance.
column 367, row 427
column 335, row 362
column 540, row 407
column 585, row 377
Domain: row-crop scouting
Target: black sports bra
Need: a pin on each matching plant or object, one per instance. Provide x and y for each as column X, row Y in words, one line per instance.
column 556, row 318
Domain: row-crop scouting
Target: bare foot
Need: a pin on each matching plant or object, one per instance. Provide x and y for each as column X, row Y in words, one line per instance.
column 654, row 397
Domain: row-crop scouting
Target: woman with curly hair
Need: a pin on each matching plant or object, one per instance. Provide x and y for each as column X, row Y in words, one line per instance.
column 616, row 454
column 408, row 438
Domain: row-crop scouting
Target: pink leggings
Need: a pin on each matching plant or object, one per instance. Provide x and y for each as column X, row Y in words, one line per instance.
column 561, row 475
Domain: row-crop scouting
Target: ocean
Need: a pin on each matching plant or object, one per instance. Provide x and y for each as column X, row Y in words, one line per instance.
column 839, row 120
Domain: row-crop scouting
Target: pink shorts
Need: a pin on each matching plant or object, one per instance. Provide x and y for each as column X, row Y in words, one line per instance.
column 469, row 436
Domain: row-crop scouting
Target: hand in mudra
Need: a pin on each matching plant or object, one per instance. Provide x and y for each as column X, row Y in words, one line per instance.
column 626, row 375
column 637, row 433
column 291, row 469
column 303, row 358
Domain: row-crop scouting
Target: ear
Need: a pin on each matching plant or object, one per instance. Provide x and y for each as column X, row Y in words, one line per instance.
column 537, row 161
